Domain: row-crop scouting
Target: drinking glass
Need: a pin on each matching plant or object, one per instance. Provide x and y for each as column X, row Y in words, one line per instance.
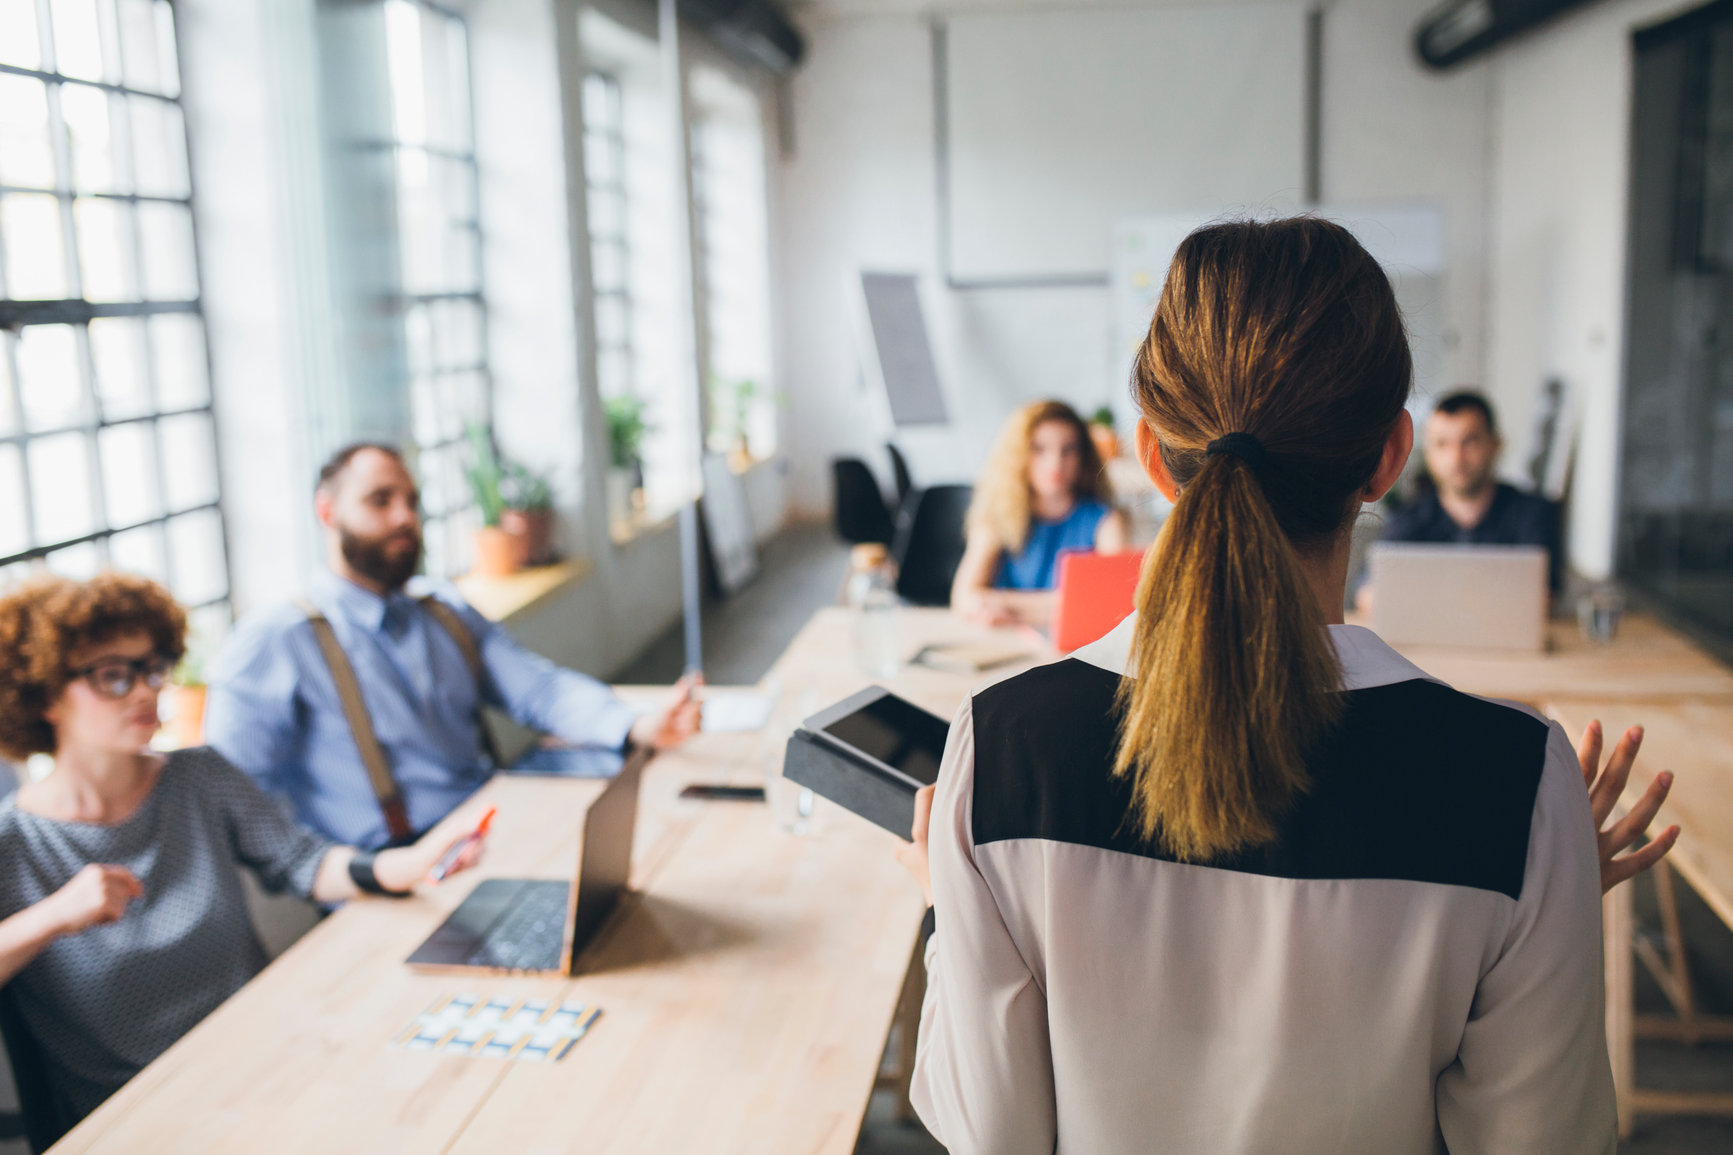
column 1598, row 614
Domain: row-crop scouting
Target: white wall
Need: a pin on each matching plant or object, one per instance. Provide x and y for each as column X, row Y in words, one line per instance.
column 1525, row 151
column 859, row 193
column 1394, row 132
column 1556, row 295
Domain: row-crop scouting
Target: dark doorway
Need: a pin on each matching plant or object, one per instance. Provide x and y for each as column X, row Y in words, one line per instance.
column 1676, row 493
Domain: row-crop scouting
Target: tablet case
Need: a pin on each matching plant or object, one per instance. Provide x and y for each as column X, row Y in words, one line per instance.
column 851, row 783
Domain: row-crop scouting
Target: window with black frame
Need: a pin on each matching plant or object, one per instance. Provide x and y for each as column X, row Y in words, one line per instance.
column 107, row 444
column 439, row 246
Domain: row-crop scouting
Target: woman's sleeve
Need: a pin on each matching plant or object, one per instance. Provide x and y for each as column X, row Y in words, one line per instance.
column 983, row 1079
column 283, row 854
column 1531, row 1073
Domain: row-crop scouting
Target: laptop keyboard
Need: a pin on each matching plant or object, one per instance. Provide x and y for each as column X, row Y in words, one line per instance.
column 530, row 933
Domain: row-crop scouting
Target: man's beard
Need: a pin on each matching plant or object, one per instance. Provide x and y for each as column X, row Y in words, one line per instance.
column 369, row 556
column 1472, row 488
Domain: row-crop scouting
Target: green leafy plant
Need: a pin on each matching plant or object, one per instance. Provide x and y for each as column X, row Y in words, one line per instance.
column 626, row 430
column 525, row 490
column 731, row 404
column 485, row 474
column 1102, row 416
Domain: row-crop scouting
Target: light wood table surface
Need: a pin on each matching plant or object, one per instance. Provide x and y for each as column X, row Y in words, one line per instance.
column 1645, row 660
column 1692, row 737
column 747, row 985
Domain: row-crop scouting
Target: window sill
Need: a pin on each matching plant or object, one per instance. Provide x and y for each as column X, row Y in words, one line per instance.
column 500, row 598
column 642, row 524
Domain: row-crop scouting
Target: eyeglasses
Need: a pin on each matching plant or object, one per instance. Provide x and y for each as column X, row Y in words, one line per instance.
column 115, row 677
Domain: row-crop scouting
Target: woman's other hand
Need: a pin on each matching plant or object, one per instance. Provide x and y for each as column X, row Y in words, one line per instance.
column 678, row 721
column 1605, row 787
column 401, row 869
column 987, row 608
column 913, row 853
column 95, row 895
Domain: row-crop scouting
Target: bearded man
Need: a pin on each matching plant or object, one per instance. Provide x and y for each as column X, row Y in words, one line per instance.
column 361, row 705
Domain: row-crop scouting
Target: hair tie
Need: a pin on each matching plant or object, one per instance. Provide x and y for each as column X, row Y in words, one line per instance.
column 1241, row 445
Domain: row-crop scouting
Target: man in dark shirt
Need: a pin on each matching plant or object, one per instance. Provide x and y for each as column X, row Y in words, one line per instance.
column 1466, row 502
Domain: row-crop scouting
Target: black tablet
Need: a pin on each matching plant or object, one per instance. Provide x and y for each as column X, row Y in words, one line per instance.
column 870, row 753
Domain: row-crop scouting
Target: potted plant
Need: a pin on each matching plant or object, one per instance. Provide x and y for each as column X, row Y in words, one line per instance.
column 183, row 707
column 731, row 405
column 498, row 551
column 626, row 430
column 1101, row 432
column 528, row 512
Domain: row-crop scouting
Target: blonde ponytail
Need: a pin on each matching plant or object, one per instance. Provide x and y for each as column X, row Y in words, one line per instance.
column 1274, row 370
column 1232, row 673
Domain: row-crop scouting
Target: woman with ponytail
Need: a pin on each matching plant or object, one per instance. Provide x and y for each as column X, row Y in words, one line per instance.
column 1238, row 877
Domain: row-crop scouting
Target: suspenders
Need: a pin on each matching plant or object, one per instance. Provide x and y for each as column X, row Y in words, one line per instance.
column 361, row 723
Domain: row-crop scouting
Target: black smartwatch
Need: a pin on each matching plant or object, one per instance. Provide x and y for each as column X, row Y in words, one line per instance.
column 361, row 874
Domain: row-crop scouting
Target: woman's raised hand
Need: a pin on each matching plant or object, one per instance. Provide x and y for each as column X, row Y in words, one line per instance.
column 1605, row 786
column 95, row 895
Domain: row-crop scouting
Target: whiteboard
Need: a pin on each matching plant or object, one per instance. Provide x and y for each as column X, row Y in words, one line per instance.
column 1062, row 123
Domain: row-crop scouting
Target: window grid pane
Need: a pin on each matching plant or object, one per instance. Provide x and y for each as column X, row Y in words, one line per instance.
column 107, row 446
column 439, row 242
column 733, row 270
column 610, row 255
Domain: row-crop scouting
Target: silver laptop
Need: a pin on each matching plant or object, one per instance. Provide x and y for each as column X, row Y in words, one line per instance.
column 1486, row 597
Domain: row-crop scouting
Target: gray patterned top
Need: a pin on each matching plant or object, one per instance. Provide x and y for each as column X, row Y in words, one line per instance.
column 103, row 1003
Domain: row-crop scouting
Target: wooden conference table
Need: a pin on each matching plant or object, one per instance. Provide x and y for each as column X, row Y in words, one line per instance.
column 747, row 986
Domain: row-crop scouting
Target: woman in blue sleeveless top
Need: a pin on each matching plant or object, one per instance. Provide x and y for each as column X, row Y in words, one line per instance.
column 1043, row 492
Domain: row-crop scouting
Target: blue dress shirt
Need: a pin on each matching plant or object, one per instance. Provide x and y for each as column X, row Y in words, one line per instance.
column 273, row 709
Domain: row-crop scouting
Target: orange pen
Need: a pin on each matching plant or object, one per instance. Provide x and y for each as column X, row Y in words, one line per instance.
column 449, row 859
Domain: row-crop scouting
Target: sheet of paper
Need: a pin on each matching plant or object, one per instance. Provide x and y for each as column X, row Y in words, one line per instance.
column 734, row 713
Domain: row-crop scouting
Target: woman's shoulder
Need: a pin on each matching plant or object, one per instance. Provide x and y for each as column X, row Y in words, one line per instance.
column 200, row 768
column 1043, row 746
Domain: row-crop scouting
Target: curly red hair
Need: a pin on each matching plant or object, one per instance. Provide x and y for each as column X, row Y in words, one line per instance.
column 44, row 621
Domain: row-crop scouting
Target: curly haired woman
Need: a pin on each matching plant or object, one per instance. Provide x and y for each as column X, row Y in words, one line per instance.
column 123, row 917
column 1043, row 492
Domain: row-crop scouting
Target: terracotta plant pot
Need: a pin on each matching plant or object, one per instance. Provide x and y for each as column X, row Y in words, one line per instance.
column 498, row 551
column 536, row 526
column 1106, row 441
column 184, row 722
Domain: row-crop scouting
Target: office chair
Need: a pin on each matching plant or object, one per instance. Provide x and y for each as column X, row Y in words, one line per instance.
column 929, row 543
column 861, row 515
column 900, row 470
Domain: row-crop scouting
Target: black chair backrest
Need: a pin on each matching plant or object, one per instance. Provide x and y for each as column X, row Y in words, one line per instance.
column 900, row 470
column 929, row 543
column 46, row 1116
column 861, row 515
